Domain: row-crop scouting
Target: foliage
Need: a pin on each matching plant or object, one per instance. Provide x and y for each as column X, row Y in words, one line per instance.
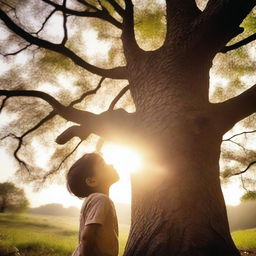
column 12, row 198
column 249, row 195
column 150, row 25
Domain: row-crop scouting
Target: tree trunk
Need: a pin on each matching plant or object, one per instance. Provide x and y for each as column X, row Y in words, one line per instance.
column 3, row 204
column 179, row 210
column 177, row 204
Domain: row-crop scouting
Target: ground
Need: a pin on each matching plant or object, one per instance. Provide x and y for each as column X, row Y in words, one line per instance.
column 248, row 252
column 42, row 235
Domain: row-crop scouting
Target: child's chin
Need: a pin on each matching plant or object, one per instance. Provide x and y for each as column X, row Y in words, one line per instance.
column 116, row 179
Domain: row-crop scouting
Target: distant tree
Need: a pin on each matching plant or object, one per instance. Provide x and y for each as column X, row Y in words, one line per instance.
column 56, row 210
column 12, row 198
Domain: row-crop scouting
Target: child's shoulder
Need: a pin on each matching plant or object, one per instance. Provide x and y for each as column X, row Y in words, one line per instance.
column 96, row 196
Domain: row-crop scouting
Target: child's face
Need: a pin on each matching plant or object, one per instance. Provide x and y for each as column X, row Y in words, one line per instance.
column 105, row 174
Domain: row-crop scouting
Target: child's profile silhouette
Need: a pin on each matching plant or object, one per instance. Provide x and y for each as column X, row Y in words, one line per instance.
column 89, row 178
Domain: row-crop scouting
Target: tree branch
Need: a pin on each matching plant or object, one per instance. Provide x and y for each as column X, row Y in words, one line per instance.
column 130, row 45
column 188, row 6
column 101, row 141
column 115, row 125
column 65, row 31
column 3, row 103
column 239, row 44
column 17, row 52
column 8, row 5
column 115, row 73
column 69, row 133
column 73, row 103
column 223, row 19
column 238, row 134
column 242, row 181
column 88, row 5
column 117, row 7
column 9, row 135
column 237, row 10
column 45, row 21
column 31, row 93
column 231, row 111
column 80, row 131
column 245, row 170
column 75, row 130
column 101, row 14
column 118, row 97
column 180, row 15
column 68, row 112
column 43, row 121
column 236, row 143
column 112, row 125
column 52, row 113
column 20, row 138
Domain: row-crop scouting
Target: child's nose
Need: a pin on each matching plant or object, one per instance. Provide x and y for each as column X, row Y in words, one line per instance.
column 111, row 166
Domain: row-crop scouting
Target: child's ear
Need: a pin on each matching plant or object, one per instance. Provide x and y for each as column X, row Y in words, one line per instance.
column 91, row 181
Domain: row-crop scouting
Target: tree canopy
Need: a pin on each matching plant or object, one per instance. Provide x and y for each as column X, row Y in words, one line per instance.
column 12, row 198
column 47, row 47
column 168, row 77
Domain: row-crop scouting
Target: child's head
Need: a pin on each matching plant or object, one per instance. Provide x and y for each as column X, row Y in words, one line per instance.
column 90, row 174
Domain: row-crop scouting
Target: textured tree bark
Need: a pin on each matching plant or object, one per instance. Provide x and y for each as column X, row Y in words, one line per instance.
column 178, row 209
column 177, row 203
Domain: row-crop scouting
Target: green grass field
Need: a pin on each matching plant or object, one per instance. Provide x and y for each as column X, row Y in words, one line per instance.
column 245, row 239
column 42, row 235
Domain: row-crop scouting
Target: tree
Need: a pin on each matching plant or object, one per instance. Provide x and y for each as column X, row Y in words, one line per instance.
column 12, row 198
column 179, row 208
column 55, row 210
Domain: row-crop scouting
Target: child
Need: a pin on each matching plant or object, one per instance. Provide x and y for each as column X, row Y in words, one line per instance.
column 90, row 178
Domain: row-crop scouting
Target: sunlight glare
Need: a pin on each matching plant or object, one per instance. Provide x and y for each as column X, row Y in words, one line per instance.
column 125, row 160
column 232, row 193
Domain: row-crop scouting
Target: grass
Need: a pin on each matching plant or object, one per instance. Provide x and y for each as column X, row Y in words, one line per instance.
column 45, row 234
column 42, row 235
column 245, row 239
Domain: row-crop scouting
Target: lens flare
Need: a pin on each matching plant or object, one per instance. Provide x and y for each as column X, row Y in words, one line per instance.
column 125, row 160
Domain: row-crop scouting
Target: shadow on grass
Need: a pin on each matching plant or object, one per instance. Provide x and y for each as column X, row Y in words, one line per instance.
column 41, row 249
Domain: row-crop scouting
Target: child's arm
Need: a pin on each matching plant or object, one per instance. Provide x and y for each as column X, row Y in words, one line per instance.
column 88, row 236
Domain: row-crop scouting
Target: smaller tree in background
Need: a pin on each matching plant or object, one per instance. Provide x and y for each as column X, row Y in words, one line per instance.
column 12, row 198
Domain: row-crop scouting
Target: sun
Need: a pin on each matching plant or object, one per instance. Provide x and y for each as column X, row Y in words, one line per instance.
column 126, row 161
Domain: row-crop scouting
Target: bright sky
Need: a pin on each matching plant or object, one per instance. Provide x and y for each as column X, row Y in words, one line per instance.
column 125, row 160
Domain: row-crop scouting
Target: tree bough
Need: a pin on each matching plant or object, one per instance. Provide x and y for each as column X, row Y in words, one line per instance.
column 179, row 207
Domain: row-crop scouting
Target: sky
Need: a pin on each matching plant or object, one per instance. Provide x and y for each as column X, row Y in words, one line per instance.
column 125, row 160
column 114, row 154
column 120, row 157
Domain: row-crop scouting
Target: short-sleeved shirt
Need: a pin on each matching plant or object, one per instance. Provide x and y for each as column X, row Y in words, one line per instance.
column 99, row 208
